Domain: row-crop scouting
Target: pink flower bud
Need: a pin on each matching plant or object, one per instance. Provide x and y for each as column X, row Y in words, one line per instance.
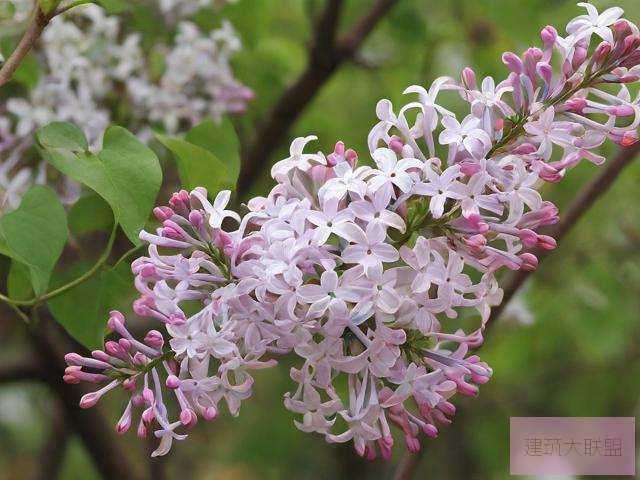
column 148, row 271
column 154, row 339
column 125, row 421
column 625, row 138
column 575, row 104
column 600, row 53
column 544, row 71
column 513, row 62
column 163, row 213
column 529, row 261
column 223, row 241
column 71, row 379
column 73, row 359
column 147, row 394
column 469, row 79
column 413, row 444
column 142, row 431
column 129, row 385
column 524, row 149
column 171, row 233
column 547, row 242
column 396, row 144
column 196, row 218
column 351, row 157
column 447, row 407
column 188, row 417
column 117, row 316
column 548, row 35
column 140, row 359
column 172, row 382
column 100, row 355
column 140, row 307
column 210, row 413
column 148, row 416
column 89, row 400
column 430, row 430
column 385, row 448
column 620, row 110
column 528, row 237
column 125, row 344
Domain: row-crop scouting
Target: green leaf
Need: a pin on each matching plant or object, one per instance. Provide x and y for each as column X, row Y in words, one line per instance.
column 35, row 234
column 113, row 6
column 28, row 72
column 84, row 310
column 198, row 167
column 90, row 213
column 221, row 140
column 126, row 173
column 19, row 281
column 62, row 135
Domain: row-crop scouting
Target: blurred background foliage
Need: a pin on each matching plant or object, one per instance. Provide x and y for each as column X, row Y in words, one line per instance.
column 569, row 345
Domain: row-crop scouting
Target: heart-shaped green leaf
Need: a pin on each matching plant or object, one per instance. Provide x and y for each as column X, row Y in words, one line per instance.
column 35, row 234
column 197, row 167
column 126, row 173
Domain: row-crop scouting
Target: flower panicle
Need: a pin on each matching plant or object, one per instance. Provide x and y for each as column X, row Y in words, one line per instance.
column 358, row 271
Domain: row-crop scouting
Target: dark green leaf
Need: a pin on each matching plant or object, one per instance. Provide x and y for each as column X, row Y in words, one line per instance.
column 198, row 167
column 35, row 234
column 19, row 281
column 62, row 135
column 84, row 310
column 126, row 173
column 90, row 214
column 113, row 6
column 221, row 140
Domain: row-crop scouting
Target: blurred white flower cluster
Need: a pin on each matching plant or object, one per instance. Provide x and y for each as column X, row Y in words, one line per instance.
column 197, row 82
column 184, row 8
column 94, row 68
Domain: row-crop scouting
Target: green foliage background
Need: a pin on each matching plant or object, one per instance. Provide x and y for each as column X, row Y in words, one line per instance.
column 581, row 355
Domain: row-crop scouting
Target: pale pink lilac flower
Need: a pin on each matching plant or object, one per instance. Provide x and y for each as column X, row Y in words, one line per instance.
column 356, row 271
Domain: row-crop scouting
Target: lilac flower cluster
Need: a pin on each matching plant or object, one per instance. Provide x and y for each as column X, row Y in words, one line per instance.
column 358, row 271
column 88, row 55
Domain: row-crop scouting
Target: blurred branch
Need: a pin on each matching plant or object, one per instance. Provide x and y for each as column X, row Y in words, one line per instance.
column 97, row 435
column 585, row 199
column 326, row 55
column 156, row 464
column 24, row 369
column 52, row 453
column 37, row 25
column 407, row 466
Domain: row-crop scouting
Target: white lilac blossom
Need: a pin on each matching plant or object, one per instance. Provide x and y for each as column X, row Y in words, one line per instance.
column 85, row 55
column 357, row 272
column 184, row 8
column 197, row 82
column 91, row 62
column 89, row 57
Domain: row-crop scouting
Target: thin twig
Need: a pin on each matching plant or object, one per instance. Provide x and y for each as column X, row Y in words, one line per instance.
column 37, row 25
column 326, row 55
column 585, row 199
